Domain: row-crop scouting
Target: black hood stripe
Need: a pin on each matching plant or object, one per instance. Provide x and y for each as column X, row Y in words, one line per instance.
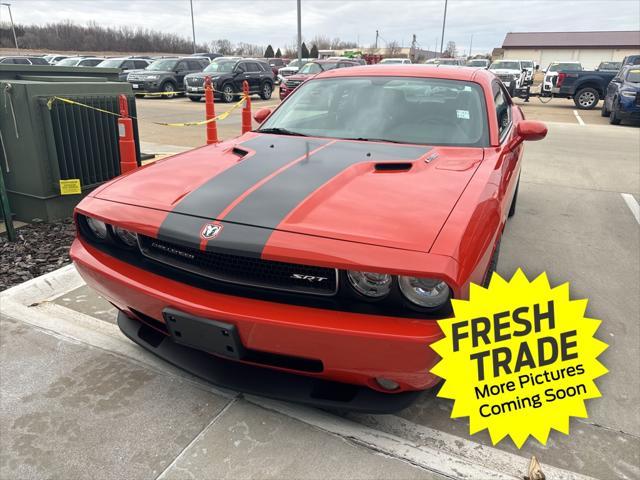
column 271, row 203
column 272, row 152
column 248, row 225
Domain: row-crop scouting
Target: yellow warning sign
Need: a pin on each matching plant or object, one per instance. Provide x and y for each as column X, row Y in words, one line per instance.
column 519, row 358
column 70, row 187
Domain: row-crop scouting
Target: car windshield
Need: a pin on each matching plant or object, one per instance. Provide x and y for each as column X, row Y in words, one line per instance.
column 296, row 63
column 113, row 63
column 165, row 65
column 477, row 63
column 526, row 64
column 447, row 61
column 316, row 67
column 220, row 67
column 394, row 109
column 68, row 62
column 505, row 66
column 569, row 67
column 392, row 60
column 633, row 76
column 610, row 66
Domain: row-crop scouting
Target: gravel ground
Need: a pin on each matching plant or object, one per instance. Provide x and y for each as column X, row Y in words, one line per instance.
column 40, row 248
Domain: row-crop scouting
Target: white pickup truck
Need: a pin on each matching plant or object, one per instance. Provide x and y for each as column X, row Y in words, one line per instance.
column 511, row 73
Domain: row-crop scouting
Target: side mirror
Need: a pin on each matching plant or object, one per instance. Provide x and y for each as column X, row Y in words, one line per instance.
column 261, row 115
column 528, row 130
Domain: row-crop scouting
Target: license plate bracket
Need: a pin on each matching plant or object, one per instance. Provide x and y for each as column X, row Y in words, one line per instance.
column 212, row 336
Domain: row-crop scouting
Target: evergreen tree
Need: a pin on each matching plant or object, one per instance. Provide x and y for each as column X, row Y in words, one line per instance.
column 314, row 51
column 278, row 53
column 305, row 51
column 268, row 53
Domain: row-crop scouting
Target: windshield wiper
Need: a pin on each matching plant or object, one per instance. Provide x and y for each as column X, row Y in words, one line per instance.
column 363, row 139
column 281, row 131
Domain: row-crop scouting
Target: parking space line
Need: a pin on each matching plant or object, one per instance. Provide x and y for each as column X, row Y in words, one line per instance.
column 577, row 115
column 632, row 203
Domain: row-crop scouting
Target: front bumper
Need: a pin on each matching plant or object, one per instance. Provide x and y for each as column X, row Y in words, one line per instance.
column 353, row 348
column 145, row 87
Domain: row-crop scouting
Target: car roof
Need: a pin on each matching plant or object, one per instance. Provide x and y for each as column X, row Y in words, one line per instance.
column 412, row 70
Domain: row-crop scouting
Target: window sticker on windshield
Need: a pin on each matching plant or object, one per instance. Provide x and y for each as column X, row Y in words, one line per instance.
column 463, row 114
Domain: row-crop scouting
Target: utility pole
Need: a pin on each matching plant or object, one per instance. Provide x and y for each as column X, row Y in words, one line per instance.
column 299, row 35
column 470, row 45
column 13, row 28
column 377, row 35
column 193, row 27
column 444, row 21
column 412, row 54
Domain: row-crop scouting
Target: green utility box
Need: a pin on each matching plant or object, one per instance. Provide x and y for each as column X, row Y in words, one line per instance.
column 45, row 142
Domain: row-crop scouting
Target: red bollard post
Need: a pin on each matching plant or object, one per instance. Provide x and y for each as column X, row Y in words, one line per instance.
column 128, row 160
column 246, row 110
column 212, row 128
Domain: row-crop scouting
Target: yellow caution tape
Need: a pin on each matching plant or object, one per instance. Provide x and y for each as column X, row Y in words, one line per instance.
column 222, row 116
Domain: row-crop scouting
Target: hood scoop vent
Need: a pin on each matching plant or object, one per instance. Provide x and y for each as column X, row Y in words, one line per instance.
column 393, row 167
column 239, row 151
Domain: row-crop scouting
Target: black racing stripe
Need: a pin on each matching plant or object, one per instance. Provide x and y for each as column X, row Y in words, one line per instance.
column 234, row 239
column 272, row 152
column 184, row 223
column 271, row 203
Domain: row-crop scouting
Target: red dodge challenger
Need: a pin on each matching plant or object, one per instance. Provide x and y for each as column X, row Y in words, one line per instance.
column 308, row 260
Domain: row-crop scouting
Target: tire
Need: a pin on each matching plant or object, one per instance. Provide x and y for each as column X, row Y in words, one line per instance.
column 266, row 91
column 512, row 208
column 614, row 119
column 227, row 93
column 195, row 99
column 167, row 87
column 604, row 112
column 493, row 264
column 586, row 98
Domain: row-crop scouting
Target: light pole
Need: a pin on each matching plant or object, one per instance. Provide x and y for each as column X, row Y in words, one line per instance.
column 444, row 21
column 193, row 27
column 13, row 28
column 299, row 35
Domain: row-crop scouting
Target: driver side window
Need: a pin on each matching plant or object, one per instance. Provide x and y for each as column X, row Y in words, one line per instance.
column 503, row 110
column 241, row 67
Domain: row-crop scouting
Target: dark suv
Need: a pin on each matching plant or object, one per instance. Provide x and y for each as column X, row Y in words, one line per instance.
column 227, row 77
column 165, row 75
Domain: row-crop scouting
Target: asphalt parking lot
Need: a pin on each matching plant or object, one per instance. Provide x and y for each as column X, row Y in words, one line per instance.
column 574, row 221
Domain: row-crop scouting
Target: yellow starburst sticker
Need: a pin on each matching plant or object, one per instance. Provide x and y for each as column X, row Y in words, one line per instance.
column 519, row 358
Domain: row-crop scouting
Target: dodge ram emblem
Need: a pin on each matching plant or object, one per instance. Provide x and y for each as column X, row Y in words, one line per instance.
column 210, row 230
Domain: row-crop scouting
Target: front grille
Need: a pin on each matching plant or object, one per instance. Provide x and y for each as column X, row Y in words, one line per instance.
column 505, row 77
column 134, row 76
column 195, row 82
column 247, row 271
column 292, row 83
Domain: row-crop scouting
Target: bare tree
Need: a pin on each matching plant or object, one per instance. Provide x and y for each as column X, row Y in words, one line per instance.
column 450, row 51
column 223, row 46
column 393, row 48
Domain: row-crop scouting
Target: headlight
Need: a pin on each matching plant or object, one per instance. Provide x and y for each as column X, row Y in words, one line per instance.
column 152, row 77
column 129, row 238
column 424, row 292
column 628, row 94
column 98, row 228
column 369, row 284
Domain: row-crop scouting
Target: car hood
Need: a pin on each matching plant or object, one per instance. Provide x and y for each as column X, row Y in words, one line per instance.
column 301, row 76
column 375, row 193
column 505, row 71
column 204, row 75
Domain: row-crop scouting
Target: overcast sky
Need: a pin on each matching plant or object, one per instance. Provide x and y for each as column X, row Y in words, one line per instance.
column 274, row 21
